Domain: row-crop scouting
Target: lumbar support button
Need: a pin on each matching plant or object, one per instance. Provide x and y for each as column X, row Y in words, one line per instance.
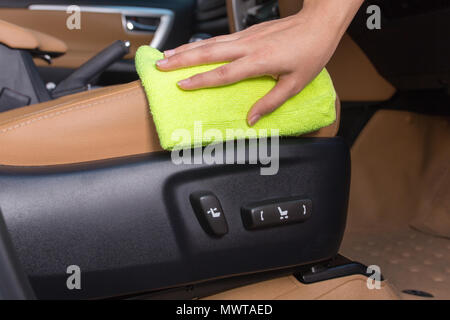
column 209, row 212
column 274, row 213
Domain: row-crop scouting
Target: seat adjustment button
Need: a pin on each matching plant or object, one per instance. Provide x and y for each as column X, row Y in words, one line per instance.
column 209, row 213
column 276, row 213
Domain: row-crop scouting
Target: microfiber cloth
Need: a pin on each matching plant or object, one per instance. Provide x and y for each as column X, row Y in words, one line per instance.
column 226, row 107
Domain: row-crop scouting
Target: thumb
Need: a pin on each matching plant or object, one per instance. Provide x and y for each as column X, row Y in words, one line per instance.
column 283, row 90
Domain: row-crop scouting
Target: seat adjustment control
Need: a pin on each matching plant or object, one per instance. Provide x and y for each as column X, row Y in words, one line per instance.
column 209, row 213
column 276, row 213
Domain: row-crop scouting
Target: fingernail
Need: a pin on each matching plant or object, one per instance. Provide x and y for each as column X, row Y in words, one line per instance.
column 169, row 53
column 253, row 119
column 183, row 83
column 161, row 62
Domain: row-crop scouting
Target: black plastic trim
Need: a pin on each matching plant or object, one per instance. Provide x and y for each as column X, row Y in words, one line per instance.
column 337, row 267
column 36, row 81
column 14, row 284
column 129, row 225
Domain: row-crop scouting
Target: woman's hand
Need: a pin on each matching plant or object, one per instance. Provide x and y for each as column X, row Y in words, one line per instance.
column 292, row 50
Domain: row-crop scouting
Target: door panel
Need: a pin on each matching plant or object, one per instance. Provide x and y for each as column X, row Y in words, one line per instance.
column 98, row 30
column 102, row 27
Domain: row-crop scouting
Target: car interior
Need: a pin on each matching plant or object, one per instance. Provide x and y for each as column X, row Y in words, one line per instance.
column 85, row 182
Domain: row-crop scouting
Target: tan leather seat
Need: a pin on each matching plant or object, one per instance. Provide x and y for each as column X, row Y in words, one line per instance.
column 22, row 38
column 100, row 124
column 94, row 125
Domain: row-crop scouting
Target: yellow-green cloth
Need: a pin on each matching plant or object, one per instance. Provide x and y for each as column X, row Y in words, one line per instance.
column 226, row 107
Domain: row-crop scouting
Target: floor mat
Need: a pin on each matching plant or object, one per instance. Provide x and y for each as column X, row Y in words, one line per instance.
column 399, row 208
column 411, row 260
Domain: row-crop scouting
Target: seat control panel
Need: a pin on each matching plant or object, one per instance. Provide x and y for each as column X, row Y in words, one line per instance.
column 154, row 239
column 276, row 213
column 209, row 213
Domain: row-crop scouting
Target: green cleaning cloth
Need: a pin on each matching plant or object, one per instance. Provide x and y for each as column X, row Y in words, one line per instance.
column 176, row 111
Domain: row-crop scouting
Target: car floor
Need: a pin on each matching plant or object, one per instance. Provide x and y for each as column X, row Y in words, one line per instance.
column 409, row 259
column 399, row 209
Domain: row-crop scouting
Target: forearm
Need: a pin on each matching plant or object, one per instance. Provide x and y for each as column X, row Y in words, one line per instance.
column 336, row 14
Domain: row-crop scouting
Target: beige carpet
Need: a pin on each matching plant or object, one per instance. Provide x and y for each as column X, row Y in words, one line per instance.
column 399, row 210
column 409, row 259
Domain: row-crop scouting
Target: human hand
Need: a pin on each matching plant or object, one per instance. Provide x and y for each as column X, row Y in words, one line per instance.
column 292, row 50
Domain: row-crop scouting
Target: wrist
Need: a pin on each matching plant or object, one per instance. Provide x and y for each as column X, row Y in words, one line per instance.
column 334, row 14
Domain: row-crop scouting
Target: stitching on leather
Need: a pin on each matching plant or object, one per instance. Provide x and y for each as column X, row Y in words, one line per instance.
column 51, row 115
column 105, row 93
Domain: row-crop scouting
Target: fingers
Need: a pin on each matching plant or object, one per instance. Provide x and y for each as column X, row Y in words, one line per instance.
column 283, row 90
column 210, row 53
column 229, row 73
column 224, row 38
column 279, row 23
column 193, row 45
